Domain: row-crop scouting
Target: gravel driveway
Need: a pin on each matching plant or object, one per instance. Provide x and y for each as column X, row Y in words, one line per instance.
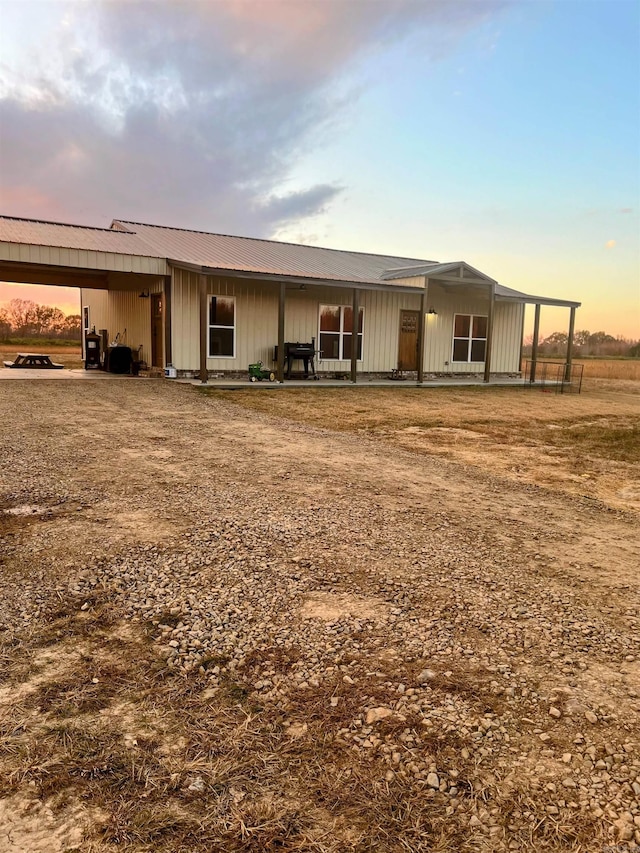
column 473, row 642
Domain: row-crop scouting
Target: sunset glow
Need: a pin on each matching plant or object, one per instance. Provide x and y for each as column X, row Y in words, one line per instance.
column 502, row 133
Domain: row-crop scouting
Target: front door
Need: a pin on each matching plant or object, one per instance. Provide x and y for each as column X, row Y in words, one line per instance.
column 157, row 349
column 408, row 341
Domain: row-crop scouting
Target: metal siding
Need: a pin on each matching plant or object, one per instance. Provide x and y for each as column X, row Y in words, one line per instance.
column 257, row 322
column 83, row 259
column 505, row 355
column 119, row 310
column 439, row 329
column 412, row 281
column 505, row 352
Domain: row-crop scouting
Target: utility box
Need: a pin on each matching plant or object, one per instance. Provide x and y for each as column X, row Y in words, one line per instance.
column 92, row 350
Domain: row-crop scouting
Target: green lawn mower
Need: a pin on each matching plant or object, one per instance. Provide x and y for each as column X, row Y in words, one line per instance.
column 257, row 373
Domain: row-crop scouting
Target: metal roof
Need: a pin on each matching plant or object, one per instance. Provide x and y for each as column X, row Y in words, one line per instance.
column 511, row 295
column 253, row 256
column 42, row 233
column 247, row 254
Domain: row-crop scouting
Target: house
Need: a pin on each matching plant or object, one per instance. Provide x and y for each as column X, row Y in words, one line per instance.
column 212, row 303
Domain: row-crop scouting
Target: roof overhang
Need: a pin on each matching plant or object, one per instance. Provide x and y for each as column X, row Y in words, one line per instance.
column 539, row 300
column 223, row 272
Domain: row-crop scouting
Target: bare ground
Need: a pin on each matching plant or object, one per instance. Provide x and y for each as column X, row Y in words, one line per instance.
column 232, row 629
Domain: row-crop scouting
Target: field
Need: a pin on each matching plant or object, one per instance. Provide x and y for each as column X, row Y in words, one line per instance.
column 604, row 368
column 324, row 620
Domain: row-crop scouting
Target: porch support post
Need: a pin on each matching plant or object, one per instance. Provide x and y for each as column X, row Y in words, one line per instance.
column 572, row 326
column 204, row 326
column 280, row 367
column 167, row 320
column 421, row 320
column 355, row 327
column 487, row 355
column 534, row 344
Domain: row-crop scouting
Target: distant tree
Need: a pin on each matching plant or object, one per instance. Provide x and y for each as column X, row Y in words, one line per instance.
column 5, row 325
column 554, row 344
column 72, row 327
column 27, row 319
column 46, row 320
column 21, row 314
column 581, row 338
column 587, row 344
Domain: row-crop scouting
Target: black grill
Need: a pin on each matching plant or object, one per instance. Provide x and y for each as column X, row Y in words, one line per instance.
column 305, row 352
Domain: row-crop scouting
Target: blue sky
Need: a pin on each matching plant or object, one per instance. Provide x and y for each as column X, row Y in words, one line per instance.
column 504, row 134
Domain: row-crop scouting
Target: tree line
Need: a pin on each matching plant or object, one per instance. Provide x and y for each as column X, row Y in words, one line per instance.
column 587, row 344
column 22, row 318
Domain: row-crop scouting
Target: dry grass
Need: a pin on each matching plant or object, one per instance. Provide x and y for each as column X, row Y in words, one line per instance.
column 363, row 409
column 604, row 423
column 586, row 444
column 69, row 356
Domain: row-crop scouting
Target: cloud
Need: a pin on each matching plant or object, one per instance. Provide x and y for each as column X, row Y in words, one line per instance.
column 610, row 244
column 194, row 113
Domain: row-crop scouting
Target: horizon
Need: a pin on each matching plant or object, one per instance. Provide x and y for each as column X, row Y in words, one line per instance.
column 68, row 307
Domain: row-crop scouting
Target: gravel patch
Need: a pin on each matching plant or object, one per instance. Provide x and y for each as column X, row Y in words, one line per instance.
column 463, row 635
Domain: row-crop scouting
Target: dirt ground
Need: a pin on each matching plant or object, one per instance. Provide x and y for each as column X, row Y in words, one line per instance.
column 318, row 620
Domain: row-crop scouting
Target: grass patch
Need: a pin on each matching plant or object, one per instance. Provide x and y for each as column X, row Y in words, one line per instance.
column 619, row 442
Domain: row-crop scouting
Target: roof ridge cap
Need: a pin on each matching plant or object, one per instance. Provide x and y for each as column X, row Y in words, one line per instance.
column 270, row 240
column 63, row 224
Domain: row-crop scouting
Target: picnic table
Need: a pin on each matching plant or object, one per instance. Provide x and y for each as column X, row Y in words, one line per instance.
column 34, row 360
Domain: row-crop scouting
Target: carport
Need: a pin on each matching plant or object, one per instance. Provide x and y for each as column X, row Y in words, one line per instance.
column 96, row 259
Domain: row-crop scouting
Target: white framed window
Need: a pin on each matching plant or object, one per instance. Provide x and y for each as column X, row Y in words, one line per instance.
column 335, row 332
column 222, row 327
column 469, row 338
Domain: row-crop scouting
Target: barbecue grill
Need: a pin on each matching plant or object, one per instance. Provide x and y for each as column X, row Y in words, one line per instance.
column 305, row 352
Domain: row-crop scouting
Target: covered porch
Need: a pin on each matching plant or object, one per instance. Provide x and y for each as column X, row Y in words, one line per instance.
column 445, row 322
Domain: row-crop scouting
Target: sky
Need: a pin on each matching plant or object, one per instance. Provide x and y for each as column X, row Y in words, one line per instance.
column 499, row 132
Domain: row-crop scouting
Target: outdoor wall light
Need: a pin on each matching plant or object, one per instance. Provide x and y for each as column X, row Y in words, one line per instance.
column 143, row 295
column 432, row 311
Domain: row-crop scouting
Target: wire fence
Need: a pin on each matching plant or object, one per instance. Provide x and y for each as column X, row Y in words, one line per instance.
column 554, row 376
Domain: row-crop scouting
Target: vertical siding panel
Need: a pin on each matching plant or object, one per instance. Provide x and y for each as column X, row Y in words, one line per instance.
column 506, row 349
column 123, row 312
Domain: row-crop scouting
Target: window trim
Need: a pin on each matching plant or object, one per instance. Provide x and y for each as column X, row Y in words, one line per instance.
column 218, row 326
column 469, row 339
column 341, row 333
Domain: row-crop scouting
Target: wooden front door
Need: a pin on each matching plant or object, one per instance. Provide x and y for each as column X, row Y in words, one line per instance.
column 157, row 349
column 408, row 340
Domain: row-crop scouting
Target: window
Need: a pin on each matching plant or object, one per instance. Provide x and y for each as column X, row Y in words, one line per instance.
column 222, row 327
column 469, row 337
column 336, row 332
